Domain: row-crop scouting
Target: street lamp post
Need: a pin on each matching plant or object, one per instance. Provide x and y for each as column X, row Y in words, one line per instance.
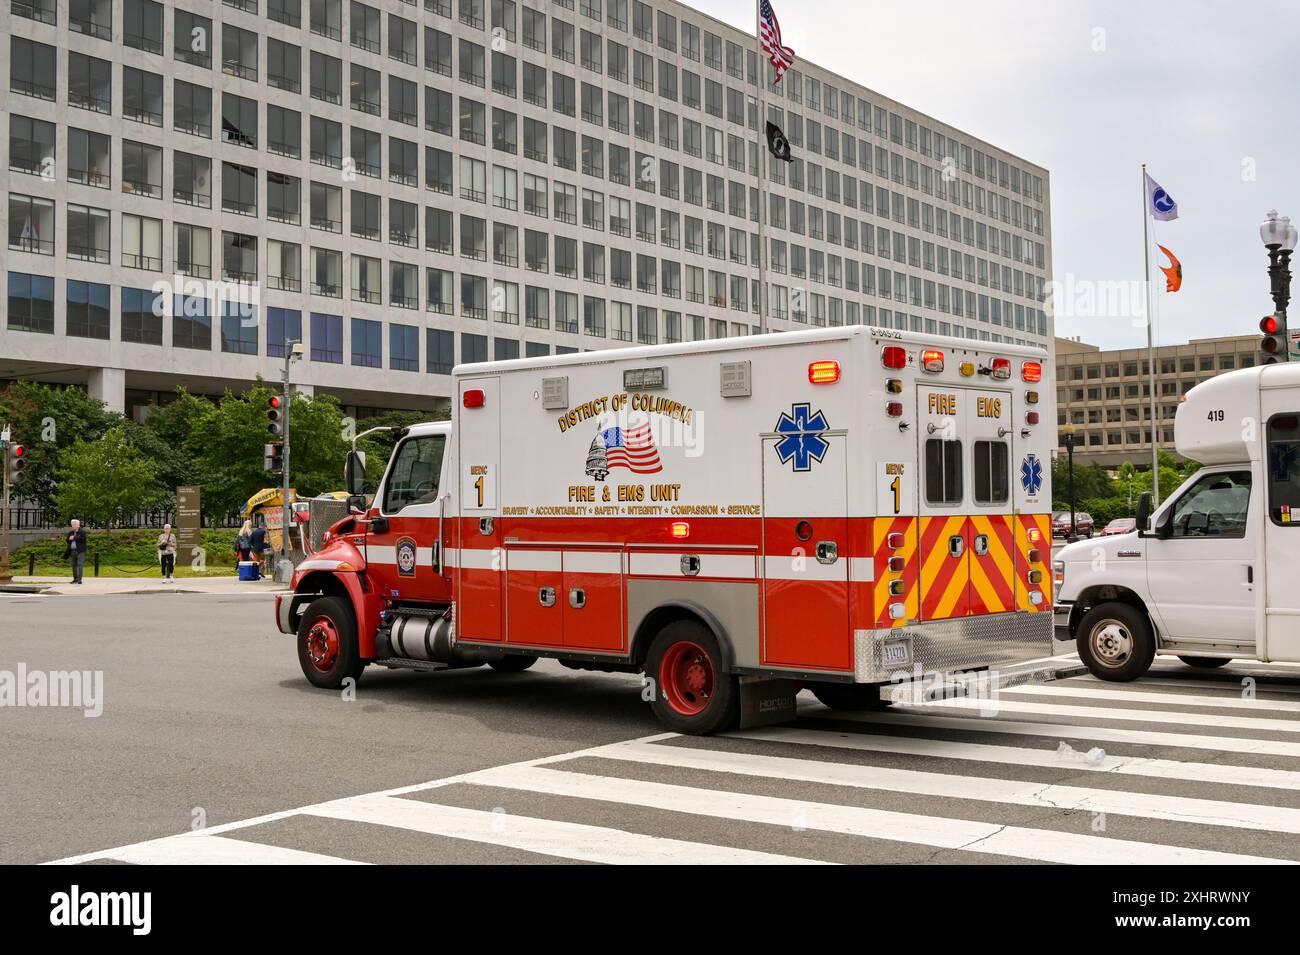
column 293, row 351
column 1279, row 238
column 1069, row 435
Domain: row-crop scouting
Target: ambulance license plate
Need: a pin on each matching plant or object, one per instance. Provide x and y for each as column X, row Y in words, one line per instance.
column 895, row 653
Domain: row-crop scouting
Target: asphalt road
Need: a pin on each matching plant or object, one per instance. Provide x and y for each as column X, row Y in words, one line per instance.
column 206, row 714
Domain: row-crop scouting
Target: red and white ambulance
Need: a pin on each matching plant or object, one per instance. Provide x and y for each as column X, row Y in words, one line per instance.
column 735, row 518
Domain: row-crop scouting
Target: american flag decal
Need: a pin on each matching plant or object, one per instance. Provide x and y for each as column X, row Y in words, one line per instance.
column 631, row 448
column 769, row 37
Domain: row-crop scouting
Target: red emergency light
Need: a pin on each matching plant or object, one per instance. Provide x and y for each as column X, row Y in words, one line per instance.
column 1031, row 417
column 1001, row 368
column 932, row 360
column 473, row 398
column 681, row 529
column 824, row 372
column 894, row 409
column 893, row 356
column 1031, row 371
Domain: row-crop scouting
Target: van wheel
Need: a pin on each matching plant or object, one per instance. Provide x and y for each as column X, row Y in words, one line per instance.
column 327, row 643
column 1115, row 642
column 693, row 693
column 849, row 696
column 1206, row 663
column 513, row 663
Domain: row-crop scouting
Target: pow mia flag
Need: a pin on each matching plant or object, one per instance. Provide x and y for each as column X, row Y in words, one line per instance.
column 777, row 144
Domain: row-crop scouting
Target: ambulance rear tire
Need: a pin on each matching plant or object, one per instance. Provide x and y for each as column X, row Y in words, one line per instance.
column 849, row 696
column 693, row 692
column 513, row 663
column 1206, row 663
column 1115, row 642
column 328, row 651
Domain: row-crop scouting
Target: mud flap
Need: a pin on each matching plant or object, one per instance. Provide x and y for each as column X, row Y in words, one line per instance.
column 765, row 701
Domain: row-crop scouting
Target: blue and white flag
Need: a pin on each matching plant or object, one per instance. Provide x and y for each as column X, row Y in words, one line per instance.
column 1162, row 203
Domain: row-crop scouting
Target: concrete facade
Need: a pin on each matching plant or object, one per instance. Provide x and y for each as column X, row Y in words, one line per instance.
column 1105, row 395
column 408, row 186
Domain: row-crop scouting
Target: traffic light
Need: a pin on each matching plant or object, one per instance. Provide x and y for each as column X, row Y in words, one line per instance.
column 16, row 463
column 275, row 415
column 273, row 457
column 1273, row 344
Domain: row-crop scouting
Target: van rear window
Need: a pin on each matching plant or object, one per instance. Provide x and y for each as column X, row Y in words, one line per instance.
column 942, row 471
column 992, row 480
column 1283, row 436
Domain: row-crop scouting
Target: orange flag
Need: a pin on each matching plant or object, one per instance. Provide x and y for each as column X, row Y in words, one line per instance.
column 1174, row 271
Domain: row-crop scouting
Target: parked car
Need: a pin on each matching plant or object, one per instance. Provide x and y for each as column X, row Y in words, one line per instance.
column 1120, row 525
column 1083, row 524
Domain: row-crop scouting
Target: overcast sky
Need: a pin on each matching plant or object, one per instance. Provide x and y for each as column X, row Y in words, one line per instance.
column 1207, row 93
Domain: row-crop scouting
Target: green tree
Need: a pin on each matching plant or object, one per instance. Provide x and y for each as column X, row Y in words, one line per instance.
column 106, row 481
column 47, row 420
column 173, row 435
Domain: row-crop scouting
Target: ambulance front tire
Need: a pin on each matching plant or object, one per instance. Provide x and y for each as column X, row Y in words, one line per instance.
column 1206, row 663
column 849, row 696
column 513, row 663
column 1115, row 642
column 328, row 651
column 693, row 693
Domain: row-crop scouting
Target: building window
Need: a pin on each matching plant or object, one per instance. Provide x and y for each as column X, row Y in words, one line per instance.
column 327, row 338
column 238, row 328
column 31, row 303
column 473, row 348
column 32, row 69
column 440, row 351
column 192, row 42
column 367, row 343
column 403, row 347
column 31, row 224
column 31, row 146
column 142, row 96
column 283, row 328
column 142, row 25
column 88, row 237
column 43, row 11
column 142, row 312
column 141, row 243
column 191, row 322
column 192, row 109
column 88, row 315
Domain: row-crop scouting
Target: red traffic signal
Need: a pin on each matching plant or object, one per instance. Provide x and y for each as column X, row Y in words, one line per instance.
column 18, row 451
column 1273, row 344
column 275, row 415
column 17, row 461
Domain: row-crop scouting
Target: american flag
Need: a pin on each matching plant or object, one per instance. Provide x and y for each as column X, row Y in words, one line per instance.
column 769, row 37
column 631, row 448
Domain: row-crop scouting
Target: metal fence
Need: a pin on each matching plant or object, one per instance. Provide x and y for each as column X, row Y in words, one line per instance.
column 33, row 518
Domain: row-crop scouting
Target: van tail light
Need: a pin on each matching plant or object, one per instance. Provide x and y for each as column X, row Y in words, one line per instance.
column 894, row 409
column 1001, row 368
column 473, row 398
column 1031, row 417
column 932, row 360
column 1031, row 371
column 824, row 372
column 893, row 356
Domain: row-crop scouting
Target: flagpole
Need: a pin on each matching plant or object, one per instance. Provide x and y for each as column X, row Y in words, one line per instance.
column 764, row 298
column 1151, row 351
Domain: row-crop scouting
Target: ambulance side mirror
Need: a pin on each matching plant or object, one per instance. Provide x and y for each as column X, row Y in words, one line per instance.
column 354, row 473
column 1143, row 512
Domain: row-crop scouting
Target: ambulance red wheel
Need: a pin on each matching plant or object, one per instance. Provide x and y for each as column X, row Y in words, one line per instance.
column 849, row 696
column 1115, row 642
column 694, row 693
column 513, row 663
column 327, row 643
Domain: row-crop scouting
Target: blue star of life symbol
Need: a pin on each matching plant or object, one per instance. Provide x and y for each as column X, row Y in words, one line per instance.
column 801, row 437
column 1031, row 474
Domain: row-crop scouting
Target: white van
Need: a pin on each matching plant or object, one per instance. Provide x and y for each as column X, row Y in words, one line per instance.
column 1212, row 576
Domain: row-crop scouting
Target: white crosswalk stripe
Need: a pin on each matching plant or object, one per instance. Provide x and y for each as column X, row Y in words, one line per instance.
column 956, row 778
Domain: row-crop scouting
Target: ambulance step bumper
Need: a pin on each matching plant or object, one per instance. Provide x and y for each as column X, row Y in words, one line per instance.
column 946, row 646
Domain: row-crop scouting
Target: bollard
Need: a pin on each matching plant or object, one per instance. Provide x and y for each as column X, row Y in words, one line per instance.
column 96, row 563
column 31, row 565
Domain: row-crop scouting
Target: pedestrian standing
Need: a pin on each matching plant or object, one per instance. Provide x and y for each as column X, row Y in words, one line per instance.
column 76, row 549
column 167, row 554
column 257, row 544
column 244, row 540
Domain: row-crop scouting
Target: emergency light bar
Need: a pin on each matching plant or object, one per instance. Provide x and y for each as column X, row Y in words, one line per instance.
column 1031, row 371
column 932, row 360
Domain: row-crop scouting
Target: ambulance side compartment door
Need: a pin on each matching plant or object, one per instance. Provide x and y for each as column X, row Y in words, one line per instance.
column 481, row 557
